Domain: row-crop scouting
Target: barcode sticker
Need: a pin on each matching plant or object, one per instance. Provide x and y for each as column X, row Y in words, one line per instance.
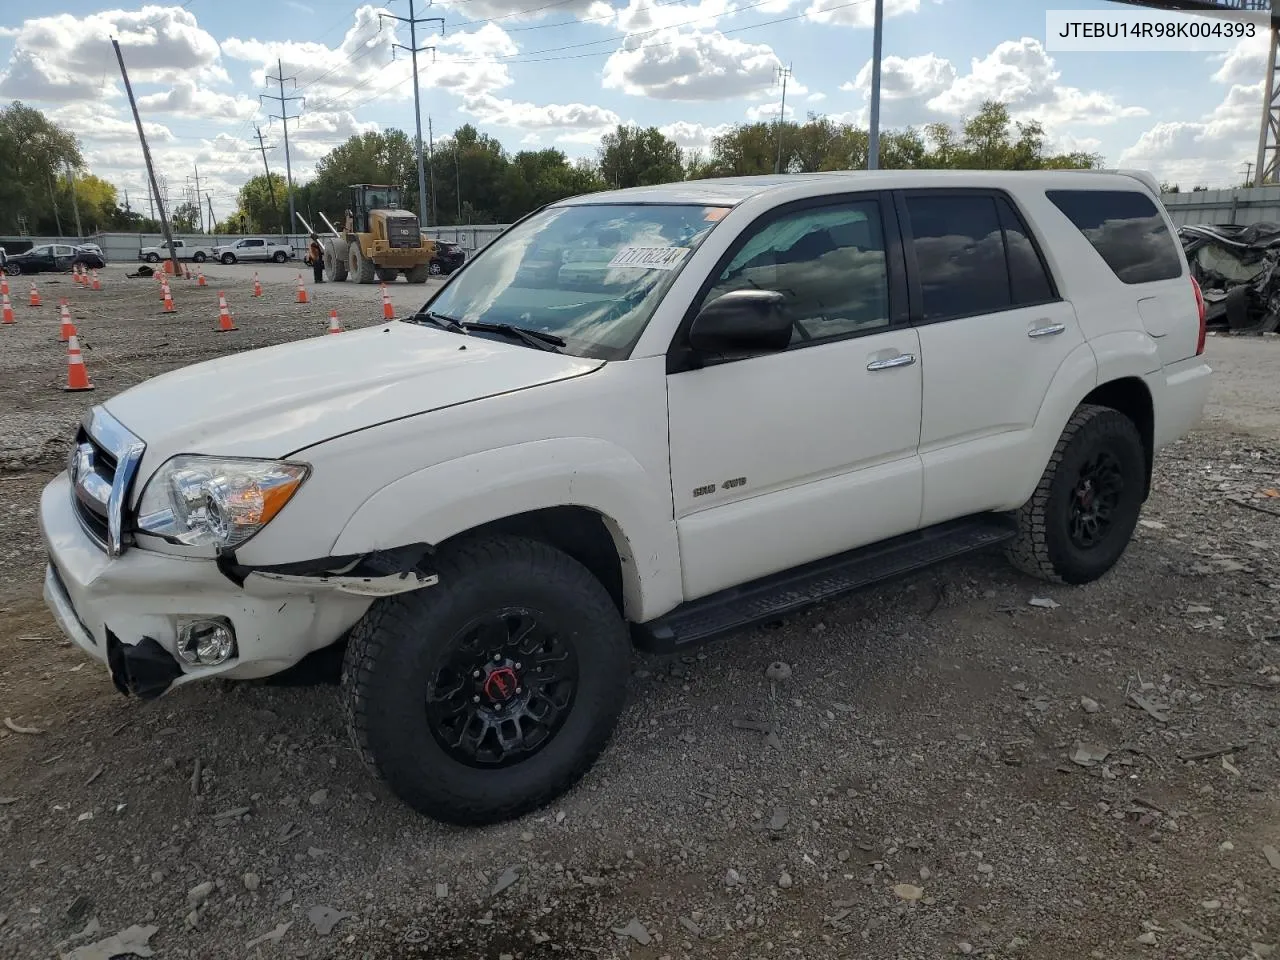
column 649, row 258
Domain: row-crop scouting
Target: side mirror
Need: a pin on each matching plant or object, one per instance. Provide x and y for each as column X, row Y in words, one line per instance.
column 741, row 321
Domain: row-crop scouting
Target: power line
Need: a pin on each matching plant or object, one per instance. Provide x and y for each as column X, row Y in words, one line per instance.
column 414, row 50
column 284, row 118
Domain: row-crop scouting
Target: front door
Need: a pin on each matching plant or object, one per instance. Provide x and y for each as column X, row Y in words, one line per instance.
column 788, row 457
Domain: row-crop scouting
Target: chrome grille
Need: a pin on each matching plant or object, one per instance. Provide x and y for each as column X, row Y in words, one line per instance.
column 102, row 465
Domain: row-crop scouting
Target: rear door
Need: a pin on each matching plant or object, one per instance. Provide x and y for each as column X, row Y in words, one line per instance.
column 993, row 332
column 255, row 250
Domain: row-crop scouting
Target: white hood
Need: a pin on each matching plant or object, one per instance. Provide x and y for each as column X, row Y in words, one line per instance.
column 276, row 400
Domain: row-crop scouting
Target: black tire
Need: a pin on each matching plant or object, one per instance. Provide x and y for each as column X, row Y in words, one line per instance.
column 387, row 274
column 418, row 274
column 436, row 268
column 359, row 267
column 199, row 256
column 279, row 256
column 13, row 269
column 1056, row 540
column 395, row 653
column 228, row 258
column 153, row 258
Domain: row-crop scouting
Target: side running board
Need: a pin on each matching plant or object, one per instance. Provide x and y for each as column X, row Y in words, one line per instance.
column 792, row 590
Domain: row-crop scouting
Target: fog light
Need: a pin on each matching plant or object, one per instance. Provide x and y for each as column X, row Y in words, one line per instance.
column 206, row 642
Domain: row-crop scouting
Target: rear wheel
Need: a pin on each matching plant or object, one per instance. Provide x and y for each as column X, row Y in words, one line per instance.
column 418, row 274
column 1079, row 521
column 491, row 694
column 359, row 267
column 279, row 256
column 199, row 257
column 153, row 258
column 436, row 268
column 387, row 274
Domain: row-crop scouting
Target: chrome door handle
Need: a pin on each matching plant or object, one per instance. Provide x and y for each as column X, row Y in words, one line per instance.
column 1048, row 330
column 901, row 360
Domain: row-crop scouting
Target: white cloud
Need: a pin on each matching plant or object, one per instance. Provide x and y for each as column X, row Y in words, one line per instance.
column 816, row 97
column 859, row 13
column 64, row 58
column 103, row 125
column 645, row 15
column 532, row 116
column 691, row 65
column 694, row 136
column 769, row 111
column 516, row 10
column 186, row 99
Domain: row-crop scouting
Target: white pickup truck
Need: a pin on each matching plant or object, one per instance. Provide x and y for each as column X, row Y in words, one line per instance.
column 655, row 416
column 252, row 248
column 185, row 251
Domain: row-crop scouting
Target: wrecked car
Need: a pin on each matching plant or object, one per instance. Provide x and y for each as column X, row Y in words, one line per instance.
column 1235, row 266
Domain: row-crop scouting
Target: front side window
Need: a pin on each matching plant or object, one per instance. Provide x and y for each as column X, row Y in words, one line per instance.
column 1126, row 229
column 590, row 274
column 828, row 262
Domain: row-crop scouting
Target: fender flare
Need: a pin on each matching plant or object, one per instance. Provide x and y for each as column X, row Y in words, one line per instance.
column 449, row 498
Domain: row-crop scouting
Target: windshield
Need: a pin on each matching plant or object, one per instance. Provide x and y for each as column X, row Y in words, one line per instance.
column 591, row 274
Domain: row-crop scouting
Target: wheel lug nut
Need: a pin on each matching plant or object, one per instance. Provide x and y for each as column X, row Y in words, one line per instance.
column 519, row 690
column 497, row 657
column 475, row 699
column 519, row 665
column 476, row 674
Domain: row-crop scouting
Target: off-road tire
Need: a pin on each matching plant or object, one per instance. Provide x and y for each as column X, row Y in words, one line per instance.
column 335, row 261
column 391, row 651
column 1043, row 546
column 418, row 274
column 360, row 268
column 387, row 274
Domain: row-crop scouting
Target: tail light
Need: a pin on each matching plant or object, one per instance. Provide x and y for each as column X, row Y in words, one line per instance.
column 1200, row 309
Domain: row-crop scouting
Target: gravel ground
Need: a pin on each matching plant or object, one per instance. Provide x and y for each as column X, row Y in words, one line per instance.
column 967, row 763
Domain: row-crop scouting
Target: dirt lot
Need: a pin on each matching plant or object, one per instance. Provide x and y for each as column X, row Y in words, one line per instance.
column 917, row 798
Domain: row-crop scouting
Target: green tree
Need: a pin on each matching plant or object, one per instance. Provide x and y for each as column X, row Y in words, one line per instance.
column 185, row 217
column 635, row 157
column 263, row 203
column 34, row 151
column 385, row 157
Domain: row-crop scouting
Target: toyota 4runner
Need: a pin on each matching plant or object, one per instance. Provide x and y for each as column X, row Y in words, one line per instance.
column 653, row 416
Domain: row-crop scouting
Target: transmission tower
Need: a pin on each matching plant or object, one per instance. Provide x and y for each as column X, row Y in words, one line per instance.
column 284, row 118
column 414, row 50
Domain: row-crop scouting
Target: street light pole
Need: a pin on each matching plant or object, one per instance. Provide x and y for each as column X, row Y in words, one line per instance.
column 873, row 140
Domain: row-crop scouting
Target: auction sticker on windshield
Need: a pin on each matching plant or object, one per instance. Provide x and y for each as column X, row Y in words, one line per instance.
column 651, row 258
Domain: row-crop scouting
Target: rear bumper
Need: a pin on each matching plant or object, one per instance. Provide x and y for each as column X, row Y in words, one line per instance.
column 1180, row 392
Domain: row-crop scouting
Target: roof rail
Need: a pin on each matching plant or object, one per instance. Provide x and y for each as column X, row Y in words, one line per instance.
column 1142, row 176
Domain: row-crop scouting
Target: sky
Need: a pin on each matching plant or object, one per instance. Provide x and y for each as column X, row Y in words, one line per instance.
column 560, row 73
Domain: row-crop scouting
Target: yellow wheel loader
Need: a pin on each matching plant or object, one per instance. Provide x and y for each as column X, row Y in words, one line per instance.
column 378, row 241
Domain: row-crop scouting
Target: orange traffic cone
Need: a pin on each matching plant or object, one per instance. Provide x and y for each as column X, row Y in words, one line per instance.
column 35, row 295
column 96, row 284
column 68, row 328
column 257, row 286
column 334, row 325
column 200, row 282
column 77, row 376
column 168, row 300
column 225, row 323
column 4, row 283
column 388, row 312
column 302, row 291
column 6, row 308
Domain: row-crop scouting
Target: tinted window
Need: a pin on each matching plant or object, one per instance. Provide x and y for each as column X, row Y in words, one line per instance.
column 1028, row 280
column 960, row 255
column 828, row 262
column 1126, row 229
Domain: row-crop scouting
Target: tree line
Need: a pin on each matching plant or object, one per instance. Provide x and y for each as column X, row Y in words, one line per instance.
column 474, row 179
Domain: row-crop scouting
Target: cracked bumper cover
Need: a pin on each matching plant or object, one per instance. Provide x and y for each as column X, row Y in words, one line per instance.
column 124, row 612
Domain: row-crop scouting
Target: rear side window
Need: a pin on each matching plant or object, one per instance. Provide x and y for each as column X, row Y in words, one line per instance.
column 1126, row 229
column 960, row 255
column 1028, row 280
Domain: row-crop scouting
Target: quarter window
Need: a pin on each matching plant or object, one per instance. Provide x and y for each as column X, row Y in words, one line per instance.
column 1126, row 229
column 1029, row 282
column 829, row 263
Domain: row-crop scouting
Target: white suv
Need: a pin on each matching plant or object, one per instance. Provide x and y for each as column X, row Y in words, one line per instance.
column 252, row 248
column 656, row 415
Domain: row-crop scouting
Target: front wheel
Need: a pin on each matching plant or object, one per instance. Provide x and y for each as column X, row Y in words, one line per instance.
column 228, row 258
column 418, row 274
column 1079, row 521
column 199, row 257
column 491, row 694
column 279, row 256
column 436, row 268
column 153, row 258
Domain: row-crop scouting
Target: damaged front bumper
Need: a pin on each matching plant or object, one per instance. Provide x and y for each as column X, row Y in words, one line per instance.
column 129, row 612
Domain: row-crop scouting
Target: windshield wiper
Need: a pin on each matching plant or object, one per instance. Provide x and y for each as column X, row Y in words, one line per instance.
column 439, row 320
column 534, row 338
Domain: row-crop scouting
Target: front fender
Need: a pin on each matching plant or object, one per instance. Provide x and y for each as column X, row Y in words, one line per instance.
column 449, row 498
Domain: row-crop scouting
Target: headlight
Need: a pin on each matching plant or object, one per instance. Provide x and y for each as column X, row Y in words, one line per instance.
column 201, row 501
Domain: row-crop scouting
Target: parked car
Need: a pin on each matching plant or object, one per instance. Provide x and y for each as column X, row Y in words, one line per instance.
column 184, row 250
column 253, row 248
column 781, row 389
column 95, row 249
column 89, row 258
column 47, row 258
column 448, row 258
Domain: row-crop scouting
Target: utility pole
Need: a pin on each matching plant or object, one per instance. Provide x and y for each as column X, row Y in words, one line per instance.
column 53, row 199
column 271, row 184
column 1248, row 174
column 414, row 50
column 284, row 118
column 784, row 73
column 873, row 140
column 196, row 168
column 457, row 171
column 146, row 154
column 212, row 221
column 431, row 171
column 75, row 202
